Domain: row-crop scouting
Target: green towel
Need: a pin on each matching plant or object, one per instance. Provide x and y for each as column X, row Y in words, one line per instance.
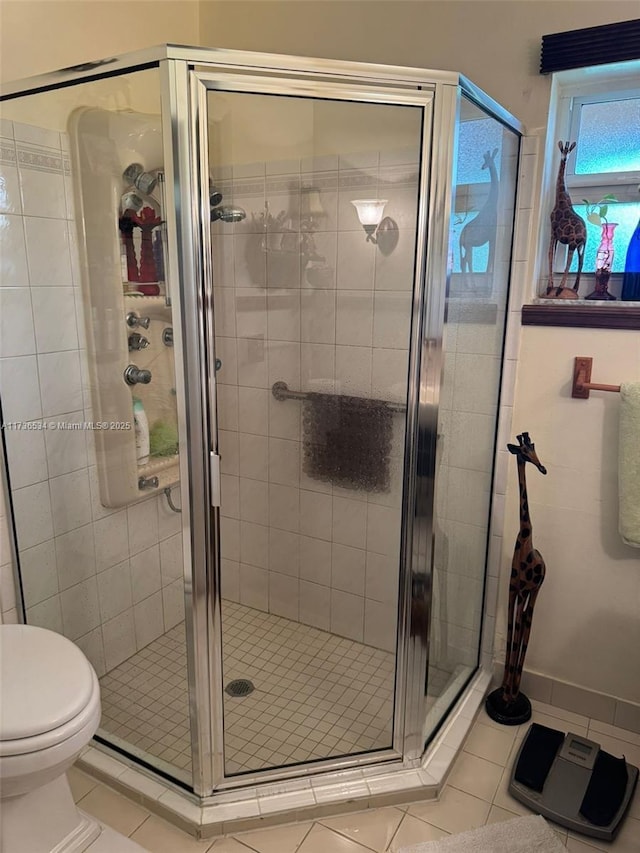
column 163, row 439
column 629, row 464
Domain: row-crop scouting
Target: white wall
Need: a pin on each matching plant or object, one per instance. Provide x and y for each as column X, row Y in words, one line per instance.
column 495, row 43
column 586, row 628
column 43, row 35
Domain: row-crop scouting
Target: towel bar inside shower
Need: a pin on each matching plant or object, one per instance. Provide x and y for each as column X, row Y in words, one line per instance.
column 582, row 383
column 281, row 392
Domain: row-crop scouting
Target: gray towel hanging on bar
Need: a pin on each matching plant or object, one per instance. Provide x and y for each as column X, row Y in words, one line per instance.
column 347, row 441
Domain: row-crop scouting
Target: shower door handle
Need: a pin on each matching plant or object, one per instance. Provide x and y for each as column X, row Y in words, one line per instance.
column 214, row 470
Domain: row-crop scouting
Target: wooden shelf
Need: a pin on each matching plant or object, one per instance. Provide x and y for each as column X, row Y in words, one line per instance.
column 615, row 316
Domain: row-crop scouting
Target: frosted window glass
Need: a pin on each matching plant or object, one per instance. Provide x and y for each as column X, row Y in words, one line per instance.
column 626, row 215
column 609, row 137
column 476, row 137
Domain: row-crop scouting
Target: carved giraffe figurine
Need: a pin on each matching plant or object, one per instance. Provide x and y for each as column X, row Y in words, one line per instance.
column 527, row 575
column 482, row 229
column 567, row 228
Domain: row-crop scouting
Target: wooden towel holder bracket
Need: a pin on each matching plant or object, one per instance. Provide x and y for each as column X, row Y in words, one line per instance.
column 582, row 383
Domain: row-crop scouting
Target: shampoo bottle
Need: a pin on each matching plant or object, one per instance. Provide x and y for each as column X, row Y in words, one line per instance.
column 141, row 425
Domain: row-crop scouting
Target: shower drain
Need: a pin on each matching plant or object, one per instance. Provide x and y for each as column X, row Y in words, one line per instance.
column 239, row 687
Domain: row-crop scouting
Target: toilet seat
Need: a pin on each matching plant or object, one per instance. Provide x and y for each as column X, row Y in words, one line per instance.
column 53, row 737
column 50, row 690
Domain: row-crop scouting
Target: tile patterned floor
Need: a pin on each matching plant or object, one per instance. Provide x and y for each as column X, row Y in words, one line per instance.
column 145, row 704
column 316, row 695
column 475, row 794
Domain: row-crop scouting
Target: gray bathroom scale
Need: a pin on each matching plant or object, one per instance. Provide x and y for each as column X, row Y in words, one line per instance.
column 570, row 780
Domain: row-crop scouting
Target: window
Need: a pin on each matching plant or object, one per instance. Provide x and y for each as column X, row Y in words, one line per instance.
column 607, row 128
column 599, row 109
column 606, row 161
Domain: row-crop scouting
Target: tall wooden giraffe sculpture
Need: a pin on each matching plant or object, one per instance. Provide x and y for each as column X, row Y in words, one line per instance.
column 482, row 229
column 506, row 704
column 567, row 228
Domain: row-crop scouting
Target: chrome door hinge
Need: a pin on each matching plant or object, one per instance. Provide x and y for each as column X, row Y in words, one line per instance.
column 214, row 468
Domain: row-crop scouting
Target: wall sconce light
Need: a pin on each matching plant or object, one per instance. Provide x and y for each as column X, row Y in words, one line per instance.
column 310, row 205
column 381, row 232
column 370, row 212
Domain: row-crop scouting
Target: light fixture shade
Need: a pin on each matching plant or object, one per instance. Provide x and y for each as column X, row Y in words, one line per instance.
column 369, row 210
column 310, row 204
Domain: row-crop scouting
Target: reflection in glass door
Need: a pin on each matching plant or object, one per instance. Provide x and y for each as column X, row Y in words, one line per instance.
column 479, row 255
column 312, row 315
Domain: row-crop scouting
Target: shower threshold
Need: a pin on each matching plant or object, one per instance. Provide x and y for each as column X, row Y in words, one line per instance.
column 297, row 798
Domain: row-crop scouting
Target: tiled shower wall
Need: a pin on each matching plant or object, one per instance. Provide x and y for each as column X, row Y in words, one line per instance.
column 292, row 545
column 109, row 579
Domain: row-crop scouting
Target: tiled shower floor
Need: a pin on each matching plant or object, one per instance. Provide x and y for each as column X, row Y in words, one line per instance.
column 316, row 695
column 145, row 701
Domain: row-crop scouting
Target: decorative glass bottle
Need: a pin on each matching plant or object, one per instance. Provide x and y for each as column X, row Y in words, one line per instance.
column 631, row 279
column 604, row 263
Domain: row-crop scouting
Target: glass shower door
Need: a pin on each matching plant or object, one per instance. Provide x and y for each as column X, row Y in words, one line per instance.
column 479, row 257
column 312, row 313
column 85, row 293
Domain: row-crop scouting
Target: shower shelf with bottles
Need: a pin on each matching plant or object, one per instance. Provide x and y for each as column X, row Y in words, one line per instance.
column 127, row 307
column 148, row 319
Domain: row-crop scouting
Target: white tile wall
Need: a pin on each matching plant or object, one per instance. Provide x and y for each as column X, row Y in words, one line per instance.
column 60, row 382
column 16, row 322
column 110, row 579
column 74, row 556
column 13, row 252
column 20, row 388
column 47, row 243
column 38, row 568
column 148, row 618
column 28, row 450
column 145, row 574
column 304, row 548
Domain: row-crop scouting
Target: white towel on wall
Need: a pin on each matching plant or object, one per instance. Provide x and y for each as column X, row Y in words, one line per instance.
column 629, row 464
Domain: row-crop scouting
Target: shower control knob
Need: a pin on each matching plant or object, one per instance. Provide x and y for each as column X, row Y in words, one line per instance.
column 133, row 375
column 137, row 342
column 148, row 483
column 133, row 321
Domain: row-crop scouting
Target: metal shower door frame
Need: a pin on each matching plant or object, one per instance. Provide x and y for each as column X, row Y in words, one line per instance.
column 439, row 94
column 203, row 597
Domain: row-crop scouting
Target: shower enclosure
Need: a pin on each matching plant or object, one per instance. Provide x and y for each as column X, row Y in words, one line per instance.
column 253, row 318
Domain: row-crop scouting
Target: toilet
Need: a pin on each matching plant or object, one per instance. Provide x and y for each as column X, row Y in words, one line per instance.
column 49, row 711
